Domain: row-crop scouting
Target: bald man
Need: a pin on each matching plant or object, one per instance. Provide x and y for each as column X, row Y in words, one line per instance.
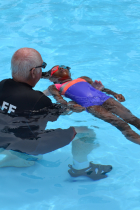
column 24, row 113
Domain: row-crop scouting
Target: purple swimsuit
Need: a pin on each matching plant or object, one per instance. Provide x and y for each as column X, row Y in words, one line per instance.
column 80, row 91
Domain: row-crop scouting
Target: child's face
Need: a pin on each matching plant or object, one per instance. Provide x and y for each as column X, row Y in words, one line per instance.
column 62, row 74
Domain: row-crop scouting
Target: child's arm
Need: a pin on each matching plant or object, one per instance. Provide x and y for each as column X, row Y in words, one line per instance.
column 99, row 86
column 56, row 94
column 96, row 84
column 119, row 97
column 70, row 105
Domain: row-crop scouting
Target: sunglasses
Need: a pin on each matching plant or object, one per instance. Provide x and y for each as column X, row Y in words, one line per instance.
column 42, row 66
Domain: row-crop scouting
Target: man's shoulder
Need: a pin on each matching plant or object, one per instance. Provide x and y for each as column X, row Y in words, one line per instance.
column 42, row 100
column 5, row 83
column 37, row 93
column 5, row 80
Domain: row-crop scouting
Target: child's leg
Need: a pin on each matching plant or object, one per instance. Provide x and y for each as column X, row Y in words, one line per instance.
column 107, row 116
column 117, row 108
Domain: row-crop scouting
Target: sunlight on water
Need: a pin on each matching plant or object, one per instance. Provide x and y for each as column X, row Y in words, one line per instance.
column 99, row 39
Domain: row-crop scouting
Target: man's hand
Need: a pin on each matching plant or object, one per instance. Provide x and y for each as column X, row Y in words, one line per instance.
column 75, row 107
column 119, row 97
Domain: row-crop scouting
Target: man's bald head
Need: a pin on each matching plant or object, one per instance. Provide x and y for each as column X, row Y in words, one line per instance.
column 22, row 61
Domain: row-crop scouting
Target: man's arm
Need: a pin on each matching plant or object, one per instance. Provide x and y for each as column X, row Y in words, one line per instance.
column 99, row 86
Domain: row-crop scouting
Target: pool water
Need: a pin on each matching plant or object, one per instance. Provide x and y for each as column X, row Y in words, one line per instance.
column 100, row 39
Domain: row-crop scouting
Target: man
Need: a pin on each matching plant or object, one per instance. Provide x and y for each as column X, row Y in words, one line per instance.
column 24, row 115
column 25, row 112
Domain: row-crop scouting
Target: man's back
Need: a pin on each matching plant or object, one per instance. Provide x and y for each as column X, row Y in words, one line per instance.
column 24, row 115
column 17, row 97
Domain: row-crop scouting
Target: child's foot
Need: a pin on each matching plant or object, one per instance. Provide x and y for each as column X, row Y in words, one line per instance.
column 94, row 171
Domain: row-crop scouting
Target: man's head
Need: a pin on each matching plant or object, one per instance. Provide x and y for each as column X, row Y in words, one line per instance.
column 26, row 66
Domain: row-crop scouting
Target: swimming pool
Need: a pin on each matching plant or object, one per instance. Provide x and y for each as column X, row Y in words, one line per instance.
column 100, row 39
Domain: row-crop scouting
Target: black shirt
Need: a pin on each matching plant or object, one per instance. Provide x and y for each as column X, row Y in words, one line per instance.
column 24, row 114
column 22, row 96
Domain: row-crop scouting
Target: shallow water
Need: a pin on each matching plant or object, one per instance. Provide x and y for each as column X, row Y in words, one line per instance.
column 100, row 39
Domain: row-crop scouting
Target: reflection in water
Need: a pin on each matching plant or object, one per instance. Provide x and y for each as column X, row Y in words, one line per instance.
column 23, row 136
column 27, row 133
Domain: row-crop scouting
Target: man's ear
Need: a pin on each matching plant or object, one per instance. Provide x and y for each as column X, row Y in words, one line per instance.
column 33, row 73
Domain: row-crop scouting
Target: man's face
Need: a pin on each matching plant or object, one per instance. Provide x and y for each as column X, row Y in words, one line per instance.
column 38, row 72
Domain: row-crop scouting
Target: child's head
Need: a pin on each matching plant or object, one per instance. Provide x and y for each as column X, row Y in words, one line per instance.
column 58, row 73
column 59, row 68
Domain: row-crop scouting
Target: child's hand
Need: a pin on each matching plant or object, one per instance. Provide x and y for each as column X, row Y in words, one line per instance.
column 119, row 97
column 97, row 85
column 63, row 102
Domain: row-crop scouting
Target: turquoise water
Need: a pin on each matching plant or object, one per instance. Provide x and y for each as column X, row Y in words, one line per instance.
column 100, row 39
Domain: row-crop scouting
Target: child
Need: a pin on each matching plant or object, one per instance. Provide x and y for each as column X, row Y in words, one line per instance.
column 86, row 96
